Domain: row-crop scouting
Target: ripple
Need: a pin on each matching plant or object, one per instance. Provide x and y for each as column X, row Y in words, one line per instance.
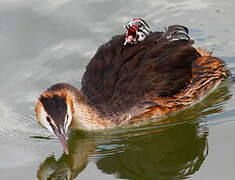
column 16, row 126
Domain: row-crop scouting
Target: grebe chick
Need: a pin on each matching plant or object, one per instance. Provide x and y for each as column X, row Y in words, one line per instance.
column 135, row 31
column 131, row 83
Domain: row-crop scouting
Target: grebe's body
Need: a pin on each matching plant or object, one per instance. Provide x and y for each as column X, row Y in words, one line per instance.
column 127, row 84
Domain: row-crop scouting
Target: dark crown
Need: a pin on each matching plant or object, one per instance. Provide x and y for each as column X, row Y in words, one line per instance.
column 56, row 107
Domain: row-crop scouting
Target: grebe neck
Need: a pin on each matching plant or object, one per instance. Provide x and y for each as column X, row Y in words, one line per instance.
column 86, row 116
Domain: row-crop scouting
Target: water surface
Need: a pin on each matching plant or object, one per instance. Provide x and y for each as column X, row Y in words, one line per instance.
column 45, row 42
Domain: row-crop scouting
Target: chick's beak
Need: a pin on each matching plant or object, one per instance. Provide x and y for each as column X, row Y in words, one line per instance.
column 60, row 133
column 129, row 39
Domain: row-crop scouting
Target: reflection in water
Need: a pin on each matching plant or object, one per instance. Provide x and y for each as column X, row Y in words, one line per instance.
column 167, row 153
column 173, row 151
column 68, row 166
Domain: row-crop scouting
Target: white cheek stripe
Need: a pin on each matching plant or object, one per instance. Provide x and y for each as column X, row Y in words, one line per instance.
column 43, row 121
column 69, row 120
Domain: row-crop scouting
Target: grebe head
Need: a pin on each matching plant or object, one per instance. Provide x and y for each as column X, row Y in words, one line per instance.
column 135, row 31
column 54, row 112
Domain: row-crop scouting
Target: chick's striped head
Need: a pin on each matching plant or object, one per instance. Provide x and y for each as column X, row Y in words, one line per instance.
column 135, row 31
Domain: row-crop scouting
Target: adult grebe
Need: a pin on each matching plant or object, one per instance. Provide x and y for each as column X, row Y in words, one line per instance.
column 132, row 78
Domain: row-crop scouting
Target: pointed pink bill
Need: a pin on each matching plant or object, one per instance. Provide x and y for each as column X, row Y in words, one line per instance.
column 129, row 39
column 62, row 138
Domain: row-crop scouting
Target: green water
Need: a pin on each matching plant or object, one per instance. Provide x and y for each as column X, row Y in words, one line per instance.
column 45, row 42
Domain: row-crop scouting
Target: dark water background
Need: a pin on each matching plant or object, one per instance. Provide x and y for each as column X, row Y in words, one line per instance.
column 50, row 41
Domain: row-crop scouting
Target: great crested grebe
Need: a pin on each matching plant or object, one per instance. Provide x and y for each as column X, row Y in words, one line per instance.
column 132, row 78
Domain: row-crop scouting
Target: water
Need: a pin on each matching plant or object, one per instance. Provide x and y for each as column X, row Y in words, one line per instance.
column 45, row 42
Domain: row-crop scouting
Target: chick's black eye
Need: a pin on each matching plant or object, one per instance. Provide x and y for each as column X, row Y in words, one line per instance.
column 67, row 116
column 48, row 119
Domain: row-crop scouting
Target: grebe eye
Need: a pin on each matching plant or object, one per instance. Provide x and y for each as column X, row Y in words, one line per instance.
column 48, row 119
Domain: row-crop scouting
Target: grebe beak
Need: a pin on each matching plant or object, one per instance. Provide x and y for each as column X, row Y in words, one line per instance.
column 60, row 133
column 129, row 39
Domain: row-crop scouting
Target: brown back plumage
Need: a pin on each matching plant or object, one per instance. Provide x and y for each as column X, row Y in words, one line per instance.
column 119, row 77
